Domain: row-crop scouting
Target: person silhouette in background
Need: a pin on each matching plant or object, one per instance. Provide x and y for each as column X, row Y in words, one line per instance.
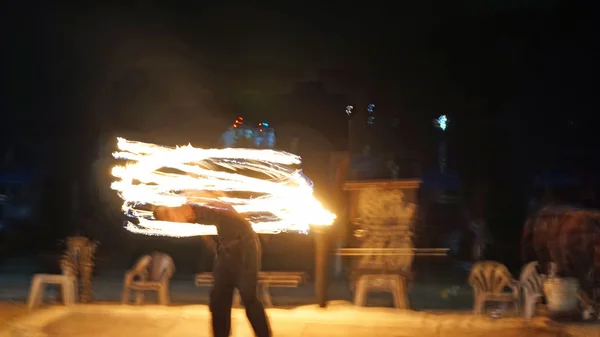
column 237, row 263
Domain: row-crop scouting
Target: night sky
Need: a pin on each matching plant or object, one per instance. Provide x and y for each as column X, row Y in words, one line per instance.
column 516, row 78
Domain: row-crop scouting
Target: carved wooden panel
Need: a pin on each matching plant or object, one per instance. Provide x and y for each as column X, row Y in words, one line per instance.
column 385, row 213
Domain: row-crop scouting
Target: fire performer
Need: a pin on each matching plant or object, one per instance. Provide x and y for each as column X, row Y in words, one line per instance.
column 237, row 263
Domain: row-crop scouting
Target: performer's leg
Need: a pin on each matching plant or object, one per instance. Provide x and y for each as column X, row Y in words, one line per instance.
column 247, row 282
column 221, row 298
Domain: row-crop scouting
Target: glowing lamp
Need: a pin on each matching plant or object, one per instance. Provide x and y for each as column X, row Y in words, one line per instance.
column 370, row 110
column 441, row 122
column 349, row 110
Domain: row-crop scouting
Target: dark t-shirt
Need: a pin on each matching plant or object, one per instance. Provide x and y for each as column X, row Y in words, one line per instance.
column 232, row 228
column 234, row 232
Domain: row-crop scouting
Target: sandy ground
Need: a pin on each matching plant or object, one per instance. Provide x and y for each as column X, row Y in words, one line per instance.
column 11, row 311
column 439, row 316
column 339, row 319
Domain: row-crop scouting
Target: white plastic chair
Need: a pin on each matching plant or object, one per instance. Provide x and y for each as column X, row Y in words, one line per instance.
column 489, row 280
column 532, row 284
column 151, row 273
column 38, row 287
column 67, row 283
column 395, row 284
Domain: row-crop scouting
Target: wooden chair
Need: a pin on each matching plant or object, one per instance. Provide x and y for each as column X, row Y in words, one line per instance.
column 532, row 284
column 150, row 273
column 489, row 280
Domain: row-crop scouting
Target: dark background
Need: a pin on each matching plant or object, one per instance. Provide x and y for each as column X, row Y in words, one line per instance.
column 516, row 79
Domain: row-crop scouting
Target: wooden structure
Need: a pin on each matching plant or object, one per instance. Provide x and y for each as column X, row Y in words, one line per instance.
column 78, row 261
column 150, row 273
column 383, row 215
column 266, row 280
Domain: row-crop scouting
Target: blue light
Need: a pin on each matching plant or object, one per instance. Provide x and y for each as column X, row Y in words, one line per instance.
column 370, row 109
column 265, row 124
column 442, row 122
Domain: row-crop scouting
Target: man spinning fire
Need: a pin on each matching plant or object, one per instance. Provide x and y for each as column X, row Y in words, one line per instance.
column 237, row 263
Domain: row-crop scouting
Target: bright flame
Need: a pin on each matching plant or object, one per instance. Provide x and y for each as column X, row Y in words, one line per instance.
column 281, row 200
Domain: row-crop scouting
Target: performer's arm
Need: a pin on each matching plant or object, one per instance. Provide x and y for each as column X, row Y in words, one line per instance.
column 183, row 213
column 210, row 243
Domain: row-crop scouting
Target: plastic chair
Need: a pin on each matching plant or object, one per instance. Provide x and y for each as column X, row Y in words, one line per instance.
column 489, row 280
column 532, row 284
column 395, row 284
column 38, row 288
column 150, row 273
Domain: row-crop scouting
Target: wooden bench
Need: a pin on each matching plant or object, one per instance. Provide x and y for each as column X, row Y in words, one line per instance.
column 266, row 280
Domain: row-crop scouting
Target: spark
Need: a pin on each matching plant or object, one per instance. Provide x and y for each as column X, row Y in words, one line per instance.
column 262, row 185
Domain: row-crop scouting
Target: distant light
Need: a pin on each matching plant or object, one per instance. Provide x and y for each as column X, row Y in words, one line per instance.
column 265, row 124
column 442, row 122
column 349, row 110
column 370, row 109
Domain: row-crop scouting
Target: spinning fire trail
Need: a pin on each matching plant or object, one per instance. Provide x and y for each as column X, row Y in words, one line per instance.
column 262, row 185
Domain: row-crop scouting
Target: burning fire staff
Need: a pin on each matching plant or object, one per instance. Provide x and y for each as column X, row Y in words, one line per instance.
column 238, row 258
column 286, row 203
